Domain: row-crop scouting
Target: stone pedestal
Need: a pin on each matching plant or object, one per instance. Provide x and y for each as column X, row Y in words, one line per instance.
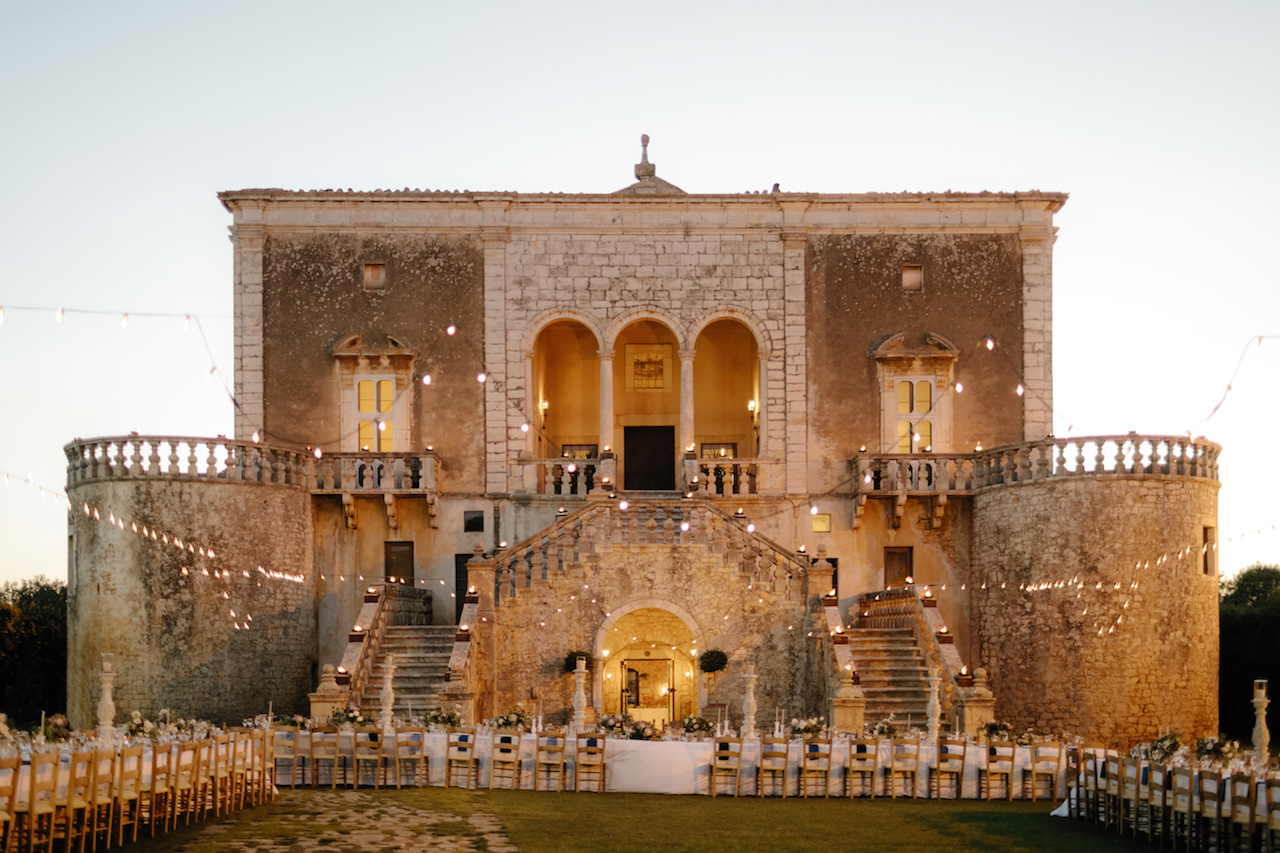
column 388, row 697
column 977, row 704
column 580, row 695
column 106, row 705
column 749, row 703
column 849, row 708
column 328, row 696
column 933, row 710
column 1261, row 737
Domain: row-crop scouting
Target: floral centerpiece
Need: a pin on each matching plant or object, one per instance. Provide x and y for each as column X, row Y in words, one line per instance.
column 346, row 716
column 693, row 724
column 614, row 724
column 5, row 734
column 885, row 728
column 641, row 730
column 807, row 726
column 517, row 718
column 139, row 726
column 997, row 730
column 1161, row 750
column 303, row 723
column 1217, row 749
column 441, row 717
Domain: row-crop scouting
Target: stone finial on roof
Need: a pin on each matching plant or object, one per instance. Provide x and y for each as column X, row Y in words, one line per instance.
column 648, row 182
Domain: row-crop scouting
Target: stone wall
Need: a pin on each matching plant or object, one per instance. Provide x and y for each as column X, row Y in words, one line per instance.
column 1073, row 657
column 175, row 640
column 532, row 631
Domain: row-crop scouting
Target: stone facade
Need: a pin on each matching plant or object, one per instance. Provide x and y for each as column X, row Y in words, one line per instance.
column 488, row 376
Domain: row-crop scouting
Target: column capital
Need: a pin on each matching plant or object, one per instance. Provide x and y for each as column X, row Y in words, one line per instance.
column 687, row 354
column 605, row 354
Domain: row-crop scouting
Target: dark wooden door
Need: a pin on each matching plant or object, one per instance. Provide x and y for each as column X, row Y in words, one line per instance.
column 649, row 458
column 398, row 562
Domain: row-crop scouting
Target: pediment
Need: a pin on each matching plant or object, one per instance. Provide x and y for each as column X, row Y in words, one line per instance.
column 373, row 345
column 931, row 345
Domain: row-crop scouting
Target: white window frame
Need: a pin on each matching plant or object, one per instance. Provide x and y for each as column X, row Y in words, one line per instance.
column 933, row 362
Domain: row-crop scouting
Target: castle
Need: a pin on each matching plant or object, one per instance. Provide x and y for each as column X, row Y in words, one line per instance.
column 642, row 425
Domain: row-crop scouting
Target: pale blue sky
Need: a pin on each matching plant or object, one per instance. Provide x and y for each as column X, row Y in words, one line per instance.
column 121, row 121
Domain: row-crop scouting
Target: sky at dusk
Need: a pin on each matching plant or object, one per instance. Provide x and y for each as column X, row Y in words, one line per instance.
column 121, row 121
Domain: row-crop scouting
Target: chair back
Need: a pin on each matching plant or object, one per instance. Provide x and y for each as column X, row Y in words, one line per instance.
column 1130, row 778
column 550, row 748
column 105, row 762
column 590, row 748
column 411, row 743
column 904, row 753
column 324, row 744
column 1046, row 757
column 1209, row 791
column 951, row 754
column 862, row 753
column 8, row 784
column 1159, row 780
column 815, row 754
column 368, row 742
column 726, row 753
column 1000, row 756
column 161, row 769
column 773, row 753
column 506, row 745
column 1243, row 797
column 80, row 780
column 461, row 743
column 1181, row 789
column 130, row 772
column 42, row 784
column 1273, row 804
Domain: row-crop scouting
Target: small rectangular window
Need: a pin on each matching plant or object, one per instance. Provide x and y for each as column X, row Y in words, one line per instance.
column 375, row 276
column 822, row 522
column 1208, row 549
column 473, row 521
column 719, row 450
column 913, row 277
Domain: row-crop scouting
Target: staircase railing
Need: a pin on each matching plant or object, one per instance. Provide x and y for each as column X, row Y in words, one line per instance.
column 604, row 522
column 904, row 608
column 364, row 643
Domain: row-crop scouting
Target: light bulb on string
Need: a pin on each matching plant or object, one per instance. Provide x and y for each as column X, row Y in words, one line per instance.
column 124, row 321
column 450, row 329
column 186, row 323
column 57, row 315
column 481, row 378
column 1, row 314
column 991, row 344
column 426, row 379
column 1021, row 390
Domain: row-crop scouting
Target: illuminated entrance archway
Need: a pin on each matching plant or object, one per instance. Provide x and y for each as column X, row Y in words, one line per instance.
column 646, row 663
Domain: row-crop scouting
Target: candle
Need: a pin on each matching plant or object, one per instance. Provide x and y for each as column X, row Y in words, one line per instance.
column 42, row 722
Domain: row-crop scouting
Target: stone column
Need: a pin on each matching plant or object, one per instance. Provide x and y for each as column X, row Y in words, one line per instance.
column 795, row 240
column 933, row 709
column 1261, row 737
column 1037, row 323
column 532, row 412
column 579, row 695
column 498, row 439
column 606, row 400
column 687, row 434
column 388, row 697
column 762, row 408
column 248, row 236
column 748, row 731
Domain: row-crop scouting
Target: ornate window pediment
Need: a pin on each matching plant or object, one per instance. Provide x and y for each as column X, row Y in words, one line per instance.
column 915, row 392
column 375, row 373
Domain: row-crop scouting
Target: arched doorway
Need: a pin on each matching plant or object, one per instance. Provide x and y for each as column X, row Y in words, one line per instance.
column 648, row 661
column 646, row 393
column 565, row 394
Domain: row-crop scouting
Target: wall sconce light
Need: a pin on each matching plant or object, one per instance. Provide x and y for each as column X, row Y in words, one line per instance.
column 741, row 513
column 751, row 406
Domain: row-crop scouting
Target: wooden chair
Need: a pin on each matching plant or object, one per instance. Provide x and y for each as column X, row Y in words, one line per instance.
column 1241, row 824
column 71, row 810
column 1182, row 814
column 260, row 773
column 904, row 761
column 155, row 799
column 863, row 764
column 186, row 782
column 589, row 761
column 9, row 768
column 773, row 766
column 324, row 750
column 950, row 763
column 1093, row 764
column 411, row 752
column 368, row 751
column 549, row 759
column 815, row 763
column 726, row 760
column 504, row 759
column 1210, row 817
column 460, row 755
column 34, row 812
column 1110, row 783
column 102, row 796
column 1133, row 795
column 1046, row 762
column 1159, row 800
column 1269, row 821
column 217, row 776
column 998, row 763
column 128, row 793
column 285, row 740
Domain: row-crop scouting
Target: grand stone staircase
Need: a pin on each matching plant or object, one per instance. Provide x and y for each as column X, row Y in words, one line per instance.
column 422, row 668
column 891, row 667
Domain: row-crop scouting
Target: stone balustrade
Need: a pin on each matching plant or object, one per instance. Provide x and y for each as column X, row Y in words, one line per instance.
column 575, row 537
column 727, row 477
column 560, row 476
column 189, row 457
column 1130, row 455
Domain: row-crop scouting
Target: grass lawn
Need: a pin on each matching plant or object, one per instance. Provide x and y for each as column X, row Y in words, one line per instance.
column 437, row 819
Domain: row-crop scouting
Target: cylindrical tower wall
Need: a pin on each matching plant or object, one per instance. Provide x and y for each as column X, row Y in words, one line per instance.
column 1100, row 612
column 218, row 638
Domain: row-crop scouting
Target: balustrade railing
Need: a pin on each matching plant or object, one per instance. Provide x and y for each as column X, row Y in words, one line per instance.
column 727, row 476
column 189, row 457
column 166, row 457
column 602, row 523
column 1104, row 455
